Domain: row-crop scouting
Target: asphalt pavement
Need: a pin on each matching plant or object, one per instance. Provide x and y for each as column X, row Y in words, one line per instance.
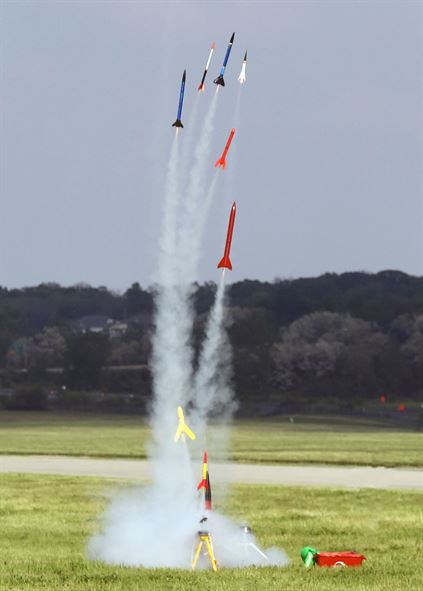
column 289, row 475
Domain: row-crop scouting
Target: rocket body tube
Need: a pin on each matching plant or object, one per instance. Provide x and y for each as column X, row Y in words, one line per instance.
column 203, row 481
column 242, row 76
column 225, row 262
column 222, row 160
column 219, row 80
column 178, row 122
column 201, row 87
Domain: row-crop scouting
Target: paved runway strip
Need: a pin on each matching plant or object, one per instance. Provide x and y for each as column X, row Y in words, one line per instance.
column 289, row 475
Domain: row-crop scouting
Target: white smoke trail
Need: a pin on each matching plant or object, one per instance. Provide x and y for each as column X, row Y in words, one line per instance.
column 192, row 246
column 172, row 356
column 189, row 138
column 181, row 237
column 167, row 240
column 231, row 186
column 194, row 202
column 211, row 385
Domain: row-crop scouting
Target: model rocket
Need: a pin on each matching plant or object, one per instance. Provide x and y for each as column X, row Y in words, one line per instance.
column 222, row 160
column 201, row 87
column 219, row 79
column 225, row 263
column 203, row 482
column 178, row 122
column 242, row 77
column 183, row 428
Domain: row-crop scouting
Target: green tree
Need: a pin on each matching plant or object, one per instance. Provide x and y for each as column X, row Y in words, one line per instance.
column 87, row 353
column 326, row 345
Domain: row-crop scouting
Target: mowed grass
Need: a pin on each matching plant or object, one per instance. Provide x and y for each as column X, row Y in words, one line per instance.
column 329, row 440
column 47, row 520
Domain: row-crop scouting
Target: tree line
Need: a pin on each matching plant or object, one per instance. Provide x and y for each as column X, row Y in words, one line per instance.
column 335, row 340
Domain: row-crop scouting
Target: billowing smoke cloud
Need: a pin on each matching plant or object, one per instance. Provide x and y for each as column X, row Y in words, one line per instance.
column 139, row 532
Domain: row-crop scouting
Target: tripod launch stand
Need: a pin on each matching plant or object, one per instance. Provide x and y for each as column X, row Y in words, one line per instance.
column 205, row 539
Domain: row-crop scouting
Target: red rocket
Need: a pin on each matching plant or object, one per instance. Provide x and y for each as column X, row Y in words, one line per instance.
column 222, row 160
column 203, row 483
column 225, row 263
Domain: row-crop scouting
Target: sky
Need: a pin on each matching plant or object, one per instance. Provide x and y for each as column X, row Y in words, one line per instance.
column 325, row 165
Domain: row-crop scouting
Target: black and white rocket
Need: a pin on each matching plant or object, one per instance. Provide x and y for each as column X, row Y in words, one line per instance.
column 242, row 77
column 201, row 87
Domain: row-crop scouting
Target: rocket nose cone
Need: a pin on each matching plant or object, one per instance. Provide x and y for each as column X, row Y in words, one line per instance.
column 184, row 75
column 232, row 38
column 245, row 57
column 234, row 206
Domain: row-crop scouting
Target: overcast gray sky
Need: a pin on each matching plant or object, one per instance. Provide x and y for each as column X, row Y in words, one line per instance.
column 325, row 164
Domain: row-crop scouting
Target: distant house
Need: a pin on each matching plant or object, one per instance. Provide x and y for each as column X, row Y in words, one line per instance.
column 100, row 324
column 96, row 323
column 117, row 329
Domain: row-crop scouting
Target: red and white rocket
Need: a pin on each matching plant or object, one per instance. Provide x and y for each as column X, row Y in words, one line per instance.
column 202, row 86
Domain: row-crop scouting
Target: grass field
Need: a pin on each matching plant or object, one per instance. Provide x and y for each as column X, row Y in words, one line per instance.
column 46, row 521
column 328, row 440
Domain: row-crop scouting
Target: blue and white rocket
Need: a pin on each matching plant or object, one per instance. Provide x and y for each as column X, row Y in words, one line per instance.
column 219, row 79
column 178, row 122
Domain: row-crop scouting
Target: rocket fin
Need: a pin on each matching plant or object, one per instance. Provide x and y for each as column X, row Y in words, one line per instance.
column 221, row 162
column 188, row 432
column 225, row 263
column 202, row 484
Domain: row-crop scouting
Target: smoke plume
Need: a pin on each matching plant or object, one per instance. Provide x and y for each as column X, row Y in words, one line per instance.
column 157, row 525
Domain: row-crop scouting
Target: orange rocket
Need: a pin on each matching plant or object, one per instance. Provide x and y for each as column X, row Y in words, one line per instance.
column 222, row 160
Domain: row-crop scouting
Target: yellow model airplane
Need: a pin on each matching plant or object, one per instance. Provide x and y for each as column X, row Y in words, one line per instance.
column 183, row 428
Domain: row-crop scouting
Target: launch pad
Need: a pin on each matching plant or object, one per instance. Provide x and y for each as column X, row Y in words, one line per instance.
column 249, row 544
column 205, row 540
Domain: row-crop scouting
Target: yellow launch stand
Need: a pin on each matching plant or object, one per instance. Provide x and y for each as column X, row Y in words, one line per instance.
column 205, row 538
